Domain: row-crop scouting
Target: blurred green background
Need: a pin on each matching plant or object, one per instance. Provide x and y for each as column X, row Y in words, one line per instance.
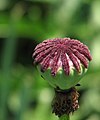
column 24, row 95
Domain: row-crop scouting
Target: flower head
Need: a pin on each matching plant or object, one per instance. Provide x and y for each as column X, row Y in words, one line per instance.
column 62, row 56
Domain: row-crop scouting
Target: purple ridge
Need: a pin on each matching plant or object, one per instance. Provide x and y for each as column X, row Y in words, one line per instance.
column 65, row 63
column 54, row 64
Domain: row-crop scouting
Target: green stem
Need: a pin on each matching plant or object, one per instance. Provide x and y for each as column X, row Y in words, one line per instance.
column 64, row 117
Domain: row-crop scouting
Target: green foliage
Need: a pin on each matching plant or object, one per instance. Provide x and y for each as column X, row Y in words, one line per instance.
column 24, row 95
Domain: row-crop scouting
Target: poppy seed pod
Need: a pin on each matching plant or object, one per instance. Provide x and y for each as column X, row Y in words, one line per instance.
column 62, row 61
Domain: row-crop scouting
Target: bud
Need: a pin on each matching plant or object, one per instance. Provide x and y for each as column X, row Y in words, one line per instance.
column 62, row 61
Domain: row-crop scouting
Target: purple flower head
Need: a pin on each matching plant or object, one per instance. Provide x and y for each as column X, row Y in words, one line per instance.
column 61, row 53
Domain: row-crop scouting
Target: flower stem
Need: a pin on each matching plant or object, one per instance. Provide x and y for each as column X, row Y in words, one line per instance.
column 64, row 117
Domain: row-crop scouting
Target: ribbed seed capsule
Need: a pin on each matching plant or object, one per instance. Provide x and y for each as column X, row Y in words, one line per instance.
column 62, row 61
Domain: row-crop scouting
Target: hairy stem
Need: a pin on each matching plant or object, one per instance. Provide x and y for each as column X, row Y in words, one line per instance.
column 64, row 117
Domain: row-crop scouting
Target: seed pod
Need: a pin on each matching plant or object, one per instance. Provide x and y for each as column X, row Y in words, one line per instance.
column 62, row 61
